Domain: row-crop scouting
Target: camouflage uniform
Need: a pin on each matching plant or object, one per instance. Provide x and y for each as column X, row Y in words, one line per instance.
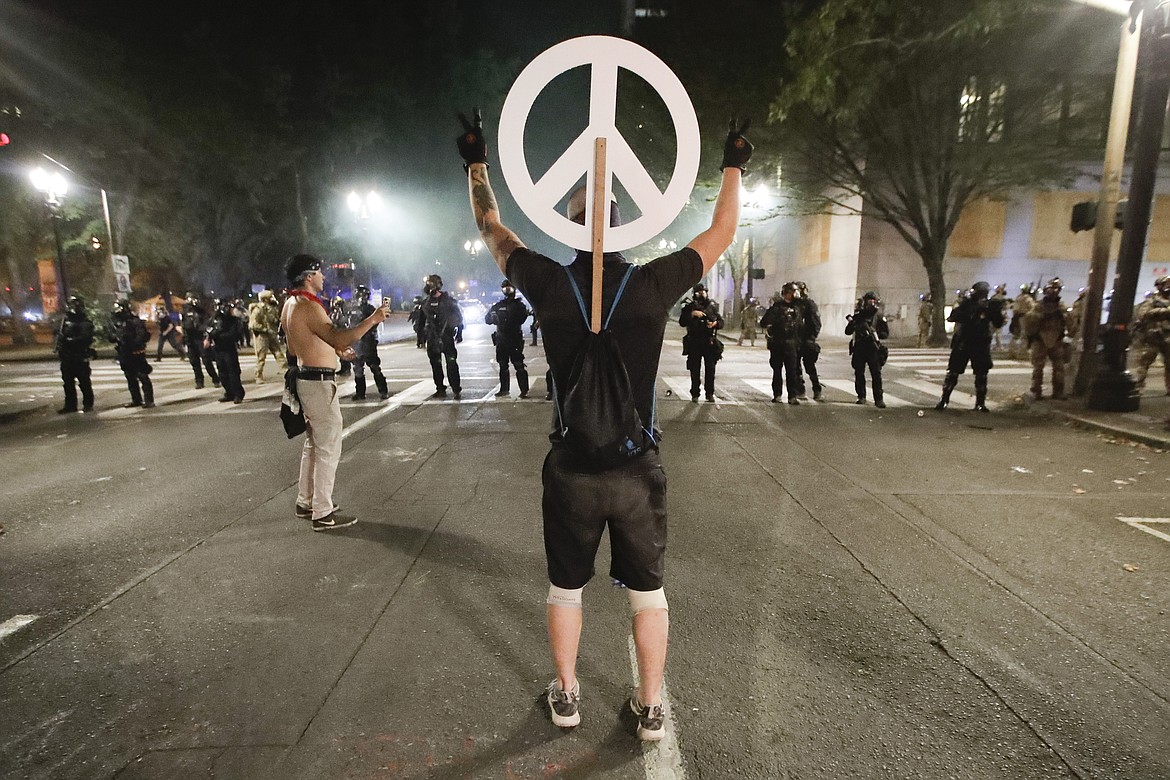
column 264, row 322
column 1076, row 319
column 1045, row 327
column 748, row 319
column 925, row 319
column 1152, row 328
column 1020, row 308
column 1002, row 297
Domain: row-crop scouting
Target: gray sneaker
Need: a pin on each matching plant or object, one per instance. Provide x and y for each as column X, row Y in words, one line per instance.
column 651, row 720
column 564, row 706
column 333, row 520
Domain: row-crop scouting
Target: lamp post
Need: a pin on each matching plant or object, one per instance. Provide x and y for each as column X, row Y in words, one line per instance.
column 1115, row 142
column 362, row 208
column 54, row 187
column 1113, row 389
column 758, row 201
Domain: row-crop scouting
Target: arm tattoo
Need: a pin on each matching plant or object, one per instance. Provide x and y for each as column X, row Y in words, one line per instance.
column 485, row 201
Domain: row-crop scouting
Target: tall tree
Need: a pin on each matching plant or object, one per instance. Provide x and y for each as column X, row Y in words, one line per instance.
column 908, row 111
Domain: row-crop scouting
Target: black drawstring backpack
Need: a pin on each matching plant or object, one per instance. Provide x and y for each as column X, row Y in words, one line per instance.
column 596, row 416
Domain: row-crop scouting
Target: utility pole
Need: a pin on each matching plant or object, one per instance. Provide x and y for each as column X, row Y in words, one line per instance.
column 1113, row 388
column 1107, row 202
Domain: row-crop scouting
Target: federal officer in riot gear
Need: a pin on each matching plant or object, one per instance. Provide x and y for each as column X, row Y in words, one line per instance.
column 74, row 346
column 131, row 337
column 869, row 330
column 975, row 318
column 366, row 348
column 418, row 320
column 781, row 325
column 810, row 350
column 223, row 337
column 701, row 317
column 508, row 315
column 444, row 329
column 1152, row 331
column 340, row 315
column 194, row 322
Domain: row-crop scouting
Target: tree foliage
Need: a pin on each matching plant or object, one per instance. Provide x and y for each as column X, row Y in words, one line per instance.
column 908, row 111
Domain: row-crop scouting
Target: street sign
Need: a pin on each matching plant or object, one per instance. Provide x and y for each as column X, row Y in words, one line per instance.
column 121, row 265
column 538, row 199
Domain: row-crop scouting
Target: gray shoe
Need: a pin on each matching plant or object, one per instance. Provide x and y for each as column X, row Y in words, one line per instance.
column 564, row 706
column 651, row 720
column 333, row 520
column 306, row 512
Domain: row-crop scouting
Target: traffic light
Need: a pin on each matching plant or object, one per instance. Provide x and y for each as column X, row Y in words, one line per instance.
column 4, row 138
column 1084, row 216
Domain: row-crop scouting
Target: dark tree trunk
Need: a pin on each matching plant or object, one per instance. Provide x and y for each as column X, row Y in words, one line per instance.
column 932, row 261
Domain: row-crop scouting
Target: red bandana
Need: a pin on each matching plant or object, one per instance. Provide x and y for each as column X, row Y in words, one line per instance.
column 310, row 296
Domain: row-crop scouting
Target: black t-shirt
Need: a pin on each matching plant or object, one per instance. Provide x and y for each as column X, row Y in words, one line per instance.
column 638, row 324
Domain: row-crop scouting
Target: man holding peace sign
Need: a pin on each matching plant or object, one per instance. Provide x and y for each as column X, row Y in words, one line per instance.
column 579, row 502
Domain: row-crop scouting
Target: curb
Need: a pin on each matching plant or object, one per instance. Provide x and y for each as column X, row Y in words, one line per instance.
column 1157, row 441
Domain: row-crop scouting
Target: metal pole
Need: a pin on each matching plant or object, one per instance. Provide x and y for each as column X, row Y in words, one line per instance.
column 751, row 257
column 1113, row 388
column 1107, row 202
column 55, row 218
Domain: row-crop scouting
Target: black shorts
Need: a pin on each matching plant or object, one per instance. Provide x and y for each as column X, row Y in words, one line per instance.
column 578, row 505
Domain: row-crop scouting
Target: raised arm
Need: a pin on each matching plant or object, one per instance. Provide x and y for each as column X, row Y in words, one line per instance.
column 713, row 241
column 500, row 241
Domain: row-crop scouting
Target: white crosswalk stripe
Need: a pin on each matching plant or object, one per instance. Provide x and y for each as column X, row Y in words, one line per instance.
column 681, row 387
column 958, row 398
column 847, row 386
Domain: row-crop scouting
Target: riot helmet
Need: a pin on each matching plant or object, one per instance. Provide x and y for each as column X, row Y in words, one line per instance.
column 75, row 305
column 361, row 293
column 508, row 288
column 1162, row 283
column 979, row 290
column 434, row 282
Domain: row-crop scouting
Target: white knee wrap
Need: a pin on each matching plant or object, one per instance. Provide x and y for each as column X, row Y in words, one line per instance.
column 561, row 597
column 642, row 600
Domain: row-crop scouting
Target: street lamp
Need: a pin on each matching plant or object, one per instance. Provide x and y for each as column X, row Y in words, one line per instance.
column 54, row 187
column 759, row 201
column 473, row 247
column 362, row 208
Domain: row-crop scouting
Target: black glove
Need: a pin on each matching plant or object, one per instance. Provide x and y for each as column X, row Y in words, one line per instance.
column 472, row 147
column 459, row 335
column 737, row 150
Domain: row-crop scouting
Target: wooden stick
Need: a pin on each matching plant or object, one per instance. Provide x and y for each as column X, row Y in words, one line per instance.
column 600, row 221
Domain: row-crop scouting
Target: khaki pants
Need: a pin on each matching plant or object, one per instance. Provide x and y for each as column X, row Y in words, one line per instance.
column 1144, row 357
column 1040, row 355
column 322, row 450
column 266, row 343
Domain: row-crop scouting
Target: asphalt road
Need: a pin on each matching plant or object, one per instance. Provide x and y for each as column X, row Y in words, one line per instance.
column 854, row 592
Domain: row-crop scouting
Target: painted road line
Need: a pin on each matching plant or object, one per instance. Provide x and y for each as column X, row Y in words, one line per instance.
column 491, row 394
column 14, row 624
column 846, row 386
column 1143, row 523
column 958, row 399
column 681, row 387
column 997, row 371
column 662, row 759
column 414, row 394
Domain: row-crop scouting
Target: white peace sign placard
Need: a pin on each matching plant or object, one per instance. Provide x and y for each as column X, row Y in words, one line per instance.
column 538, row 199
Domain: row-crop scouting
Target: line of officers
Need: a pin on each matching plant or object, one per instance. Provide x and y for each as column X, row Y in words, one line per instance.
column 210, row 341
column 791, row 325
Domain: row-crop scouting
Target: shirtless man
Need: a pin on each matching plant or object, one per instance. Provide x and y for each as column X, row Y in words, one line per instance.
column 314, row 347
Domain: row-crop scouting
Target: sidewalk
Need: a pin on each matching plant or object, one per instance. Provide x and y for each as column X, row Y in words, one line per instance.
column 1149, row 425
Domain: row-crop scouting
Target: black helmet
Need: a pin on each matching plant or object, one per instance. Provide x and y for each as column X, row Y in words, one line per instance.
column 361, row 291
column 788, row 287
column 870, row 295
column 700, row 287
column 980, row 289
column 122, row 308
column 75, row 305
column 435, row 282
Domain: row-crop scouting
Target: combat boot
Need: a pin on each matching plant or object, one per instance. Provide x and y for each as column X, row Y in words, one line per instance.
column 981, row 394
column 948, row 386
